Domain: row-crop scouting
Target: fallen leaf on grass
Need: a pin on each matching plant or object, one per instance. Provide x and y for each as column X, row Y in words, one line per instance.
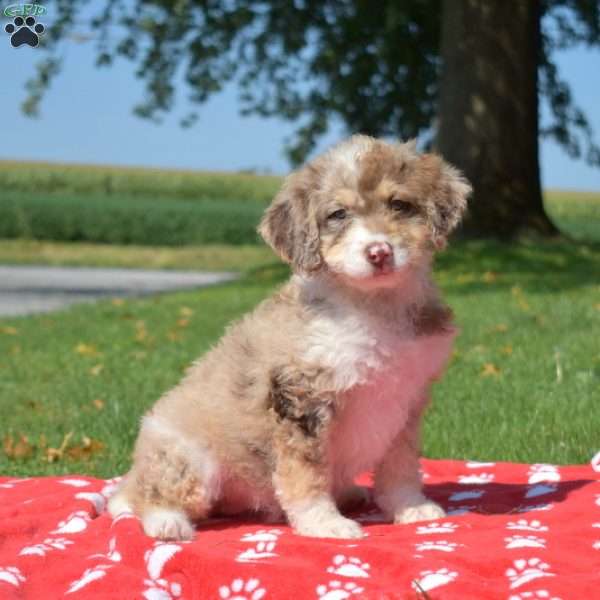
column 141, row 333
column 98, row 403
column 490, row 370
column 517, row 293
column 186, row 311
column 507, row 350
column 17, row 449
column 174, row 336
column 597, row 306
column 7, row 330
column 500, row 328
column 465, row 278
column 86, row 349
column 96, row 370
column 54, row 454
column 183, row 322
column 489, row 276
column 117, row 301
column 85, row 450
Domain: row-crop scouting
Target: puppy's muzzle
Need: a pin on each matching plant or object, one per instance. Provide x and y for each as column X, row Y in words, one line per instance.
column 380, row 255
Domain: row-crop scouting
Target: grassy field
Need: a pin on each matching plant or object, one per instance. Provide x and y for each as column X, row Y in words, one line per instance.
column 212, row 257
column 119, row 205
column 524, row 382
column 576, row 214
column 68, row 179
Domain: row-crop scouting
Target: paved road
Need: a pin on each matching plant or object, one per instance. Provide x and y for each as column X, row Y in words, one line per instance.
column 26, row 290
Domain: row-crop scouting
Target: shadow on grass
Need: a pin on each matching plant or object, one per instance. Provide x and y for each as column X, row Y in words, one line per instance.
column 545, row 266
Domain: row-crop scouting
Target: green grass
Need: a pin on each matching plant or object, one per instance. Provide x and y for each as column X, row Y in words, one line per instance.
column 121, row 219
column 70, row 179
column 213, row 257
column 576, row 214
column 524, row 383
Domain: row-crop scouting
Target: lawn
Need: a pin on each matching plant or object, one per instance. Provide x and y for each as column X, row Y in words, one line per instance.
column 523, row 385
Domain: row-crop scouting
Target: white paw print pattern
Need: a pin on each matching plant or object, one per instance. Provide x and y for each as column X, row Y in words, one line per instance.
column 265, row 541
column 524, row 541
column 429, row 580
column 541, row 489
column 481, row 478
column 474, row 464
column 543, row 472
column 596, row 545
column 113, row 554
column 348, row 566
column 436, row 528
column 156, row 558
column 97, row 500
column 595, row 462
column 441, row 545
column 526, row 570
column 8, row 485
column 541, row 594
column 11, row 575
column 468, row 495
column 88, row 576
column 46, row 546
column 161, row 589
column 78, row 483
column 336, row 590
column 239, row 589
column 75, row 523
column 524, row 525
column 597, row 499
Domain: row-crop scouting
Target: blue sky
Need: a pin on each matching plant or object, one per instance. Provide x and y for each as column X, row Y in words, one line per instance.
column 87, row 117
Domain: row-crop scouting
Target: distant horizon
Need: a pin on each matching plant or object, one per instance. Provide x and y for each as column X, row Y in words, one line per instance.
column 86, row 119
column 240, row 171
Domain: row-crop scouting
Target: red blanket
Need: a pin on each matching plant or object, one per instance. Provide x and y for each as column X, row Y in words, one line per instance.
column 513, row 532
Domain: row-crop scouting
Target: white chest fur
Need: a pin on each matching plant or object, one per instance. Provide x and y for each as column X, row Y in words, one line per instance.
column 380, row 374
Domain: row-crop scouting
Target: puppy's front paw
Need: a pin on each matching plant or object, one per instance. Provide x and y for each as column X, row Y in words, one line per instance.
column 420, row 512
column 334, row 527
column 167, row 524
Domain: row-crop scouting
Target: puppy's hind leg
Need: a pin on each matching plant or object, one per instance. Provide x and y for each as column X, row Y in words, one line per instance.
column 172, row 483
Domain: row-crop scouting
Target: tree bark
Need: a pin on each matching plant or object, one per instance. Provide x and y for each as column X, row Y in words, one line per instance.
column 488, row 111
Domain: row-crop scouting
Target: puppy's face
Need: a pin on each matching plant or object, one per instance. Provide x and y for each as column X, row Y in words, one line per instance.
column 366, row 211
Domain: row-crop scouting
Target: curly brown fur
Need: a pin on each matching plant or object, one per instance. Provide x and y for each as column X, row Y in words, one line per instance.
column 326, row 378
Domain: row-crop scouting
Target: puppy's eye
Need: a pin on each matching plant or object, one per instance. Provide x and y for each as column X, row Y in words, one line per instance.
column 337, row 215
column 403, row 207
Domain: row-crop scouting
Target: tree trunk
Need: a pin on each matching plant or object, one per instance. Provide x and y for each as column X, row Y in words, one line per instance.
column 488, row 112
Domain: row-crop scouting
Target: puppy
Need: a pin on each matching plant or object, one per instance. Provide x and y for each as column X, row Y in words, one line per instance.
column 329, row 377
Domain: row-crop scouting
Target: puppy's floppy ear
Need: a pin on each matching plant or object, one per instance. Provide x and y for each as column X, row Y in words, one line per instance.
column 289, row 225
column 448, row 201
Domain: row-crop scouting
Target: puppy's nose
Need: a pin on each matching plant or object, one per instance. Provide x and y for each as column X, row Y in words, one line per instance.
column 378, row 253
